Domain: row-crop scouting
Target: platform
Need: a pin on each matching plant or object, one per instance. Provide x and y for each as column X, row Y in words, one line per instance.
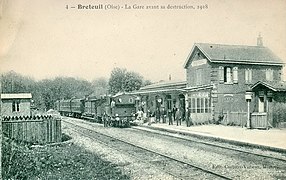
column 272, row 139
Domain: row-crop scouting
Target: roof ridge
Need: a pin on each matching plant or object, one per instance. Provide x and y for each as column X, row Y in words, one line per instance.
column 255, row 46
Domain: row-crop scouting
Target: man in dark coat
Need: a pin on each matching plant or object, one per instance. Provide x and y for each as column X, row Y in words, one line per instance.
column 170, row 117
column 174, row 110
column 157, row 115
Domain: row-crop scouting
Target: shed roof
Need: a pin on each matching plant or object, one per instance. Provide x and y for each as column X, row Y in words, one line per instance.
column 16, row 96
column 273, row 85
column 166, row 84
column 222, row 53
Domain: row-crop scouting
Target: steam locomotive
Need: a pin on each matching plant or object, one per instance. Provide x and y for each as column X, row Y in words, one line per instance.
column 120, row 107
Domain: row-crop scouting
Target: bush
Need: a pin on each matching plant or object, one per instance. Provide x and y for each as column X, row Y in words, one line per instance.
column 68, row 161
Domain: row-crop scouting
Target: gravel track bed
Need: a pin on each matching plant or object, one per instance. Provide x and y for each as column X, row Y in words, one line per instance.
column 218, row 161
column 170, row 166
column 130, row 166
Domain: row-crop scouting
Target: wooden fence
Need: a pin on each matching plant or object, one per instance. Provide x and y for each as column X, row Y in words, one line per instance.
column 259, row 120
column 235, row 118
column 33, row 129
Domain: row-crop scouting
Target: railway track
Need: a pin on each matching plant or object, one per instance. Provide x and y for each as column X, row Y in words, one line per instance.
column 177, row 168
column 216, row 145
column 282, row 159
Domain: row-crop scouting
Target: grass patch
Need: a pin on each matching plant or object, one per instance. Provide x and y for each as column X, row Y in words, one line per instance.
column 20, row 161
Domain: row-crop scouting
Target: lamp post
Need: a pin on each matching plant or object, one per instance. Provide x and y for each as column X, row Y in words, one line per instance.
column 248, row 97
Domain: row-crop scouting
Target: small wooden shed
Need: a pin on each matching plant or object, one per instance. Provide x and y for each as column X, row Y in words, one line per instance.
column 269, row 104
column 16, row 104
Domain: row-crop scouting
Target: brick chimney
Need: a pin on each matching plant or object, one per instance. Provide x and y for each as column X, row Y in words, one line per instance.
column 259, row 41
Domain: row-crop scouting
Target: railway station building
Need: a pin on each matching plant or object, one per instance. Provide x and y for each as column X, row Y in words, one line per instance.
column 217, row 78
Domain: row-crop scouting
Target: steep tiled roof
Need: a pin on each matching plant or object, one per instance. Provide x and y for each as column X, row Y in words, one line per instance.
column 237, row 54
column 273, row 85
column 17, row 96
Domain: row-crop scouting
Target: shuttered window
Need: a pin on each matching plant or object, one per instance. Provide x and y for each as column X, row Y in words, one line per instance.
column 248, row 76
column 221, row 74
column 235, row 74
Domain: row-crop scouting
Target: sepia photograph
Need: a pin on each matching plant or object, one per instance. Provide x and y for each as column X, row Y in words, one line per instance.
column 142, row 89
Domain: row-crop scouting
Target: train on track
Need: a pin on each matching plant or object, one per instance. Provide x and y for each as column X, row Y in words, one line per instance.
column 119, row 109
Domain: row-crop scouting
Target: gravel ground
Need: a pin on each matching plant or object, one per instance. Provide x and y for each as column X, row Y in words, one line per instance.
column 132, row 167
column 224, row 164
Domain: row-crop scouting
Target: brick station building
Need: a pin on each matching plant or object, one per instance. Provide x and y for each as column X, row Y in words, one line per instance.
column 217, row 77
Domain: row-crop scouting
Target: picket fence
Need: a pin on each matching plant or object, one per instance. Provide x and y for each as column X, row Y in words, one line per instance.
column 235, row 118
column 32, row 129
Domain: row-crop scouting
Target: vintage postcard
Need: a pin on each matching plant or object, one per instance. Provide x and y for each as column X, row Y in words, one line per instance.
column 142, row 89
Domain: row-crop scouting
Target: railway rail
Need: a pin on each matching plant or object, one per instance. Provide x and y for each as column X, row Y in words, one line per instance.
column 177, row 168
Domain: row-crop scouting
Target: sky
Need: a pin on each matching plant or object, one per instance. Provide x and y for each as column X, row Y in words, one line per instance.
column 43, row 39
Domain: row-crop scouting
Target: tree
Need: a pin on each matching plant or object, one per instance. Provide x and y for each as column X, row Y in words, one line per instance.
column 100, row 86
column 116, row 80
column 133, row 81
column 122, row 80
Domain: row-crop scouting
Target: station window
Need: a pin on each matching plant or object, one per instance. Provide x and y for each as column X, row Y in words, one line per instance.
column 199, row 105
column 228, row 74
column 15, row 106
column 193, row 105
column 248, row 76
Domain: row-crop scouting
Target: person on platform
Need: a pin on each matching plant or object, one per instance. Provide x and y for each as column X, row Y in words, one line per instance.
column 170, row 117
column 174, row 110
column 178, row 116
column 188, row 114
column 164, row 115
column 105, row 119
column 157, row 115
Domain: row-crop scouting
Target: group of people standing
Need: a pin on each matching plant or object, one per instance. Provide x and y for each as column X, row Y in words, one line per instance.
column 174, row 115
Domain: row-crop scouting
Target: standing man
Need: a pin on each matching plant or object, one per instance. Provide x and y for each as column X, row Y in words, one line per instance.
column 164, row 114
column 170, row 117
column 157, row 115
column 178, row 117
column 104, row 117
column 174, row 110
column 188, row 114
